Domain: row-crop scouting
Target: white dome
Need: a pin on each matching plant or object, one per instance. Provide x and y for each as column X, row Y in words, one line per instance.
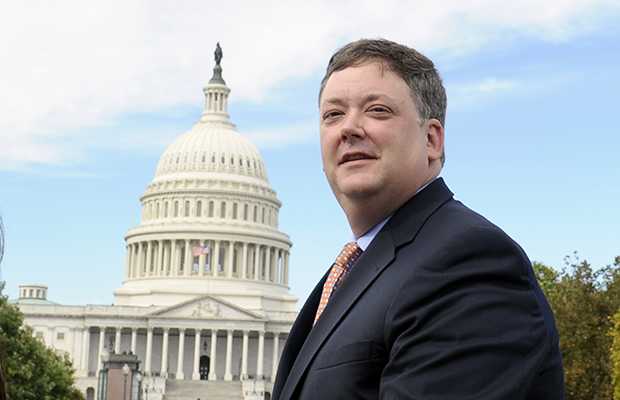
column 212, row 147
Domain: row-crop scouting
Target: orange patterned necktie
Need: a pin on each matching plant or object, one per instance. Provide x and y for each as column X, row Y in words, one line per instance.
column 348, row 256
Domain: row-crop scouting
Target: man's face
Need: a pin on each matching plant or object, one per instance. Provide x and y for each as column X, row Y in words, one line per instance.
column 374, row 150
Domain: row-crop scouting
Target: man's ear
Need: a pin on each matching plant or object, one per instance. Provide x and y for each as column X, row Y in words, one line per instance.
column 434, row 139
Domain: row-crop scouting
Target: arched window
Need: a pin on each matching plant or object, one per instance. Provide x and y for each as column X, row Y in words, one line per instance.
column 234, row 213
column 255, row 213
column 245, row 212
column 223, row 210
column 166, row 210
column 176, row 209
column 198, row 208
column 262, row 215
column 187, row 208
column 211, row 209
column 157, row 211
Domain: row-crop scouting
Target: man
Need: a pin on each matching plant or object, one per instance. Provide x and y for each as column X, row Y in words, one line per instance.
column 438, row 303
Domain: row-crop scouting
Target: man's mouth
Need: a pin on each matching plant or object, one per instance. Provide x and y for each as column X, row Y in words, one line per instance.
column 354, row 157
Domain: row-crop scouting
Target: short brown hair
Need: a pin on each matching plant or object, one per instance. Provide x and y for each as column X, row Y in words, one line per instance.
column 417, row 71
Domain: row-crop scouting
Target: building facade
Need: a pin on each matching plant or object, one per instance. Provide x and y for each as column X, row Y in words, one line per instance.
column 205, row 294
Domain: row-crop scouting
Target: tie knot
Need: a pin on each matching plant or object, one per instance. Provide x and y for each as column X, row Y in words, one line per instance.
column 348, row 256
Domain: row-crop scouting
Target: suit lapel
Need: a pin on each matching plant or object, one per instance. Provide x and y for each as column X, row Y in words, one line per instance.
column 401, row 229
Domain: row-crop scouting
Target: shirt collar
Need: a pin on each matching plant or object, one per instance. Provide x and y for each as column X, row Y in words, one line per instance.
column 364, row 241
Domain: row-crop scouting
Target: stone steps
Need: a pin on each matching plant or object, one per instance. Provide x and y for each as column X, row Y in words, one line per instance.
column 203, row 390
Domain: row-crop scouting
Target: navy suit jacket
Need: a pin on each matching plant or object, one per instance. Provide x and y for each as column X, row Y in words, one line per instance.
column 441, row 305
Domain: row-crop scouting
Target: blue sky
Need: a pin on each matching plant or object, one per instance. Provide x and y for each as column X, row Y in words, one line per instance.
column 92, row 93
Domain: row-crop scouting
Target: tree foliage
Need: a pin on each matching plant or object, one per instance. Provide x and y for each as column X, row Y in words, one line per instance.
column 584, row 301
column 34, row 371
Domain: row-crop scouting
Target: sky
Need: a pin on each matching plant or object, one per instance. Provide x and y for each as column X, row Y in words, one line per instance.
column 92, row 93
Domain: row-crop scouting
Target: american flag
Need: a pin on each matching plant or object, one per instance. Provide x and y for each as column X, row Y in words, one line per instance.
column 201, row 250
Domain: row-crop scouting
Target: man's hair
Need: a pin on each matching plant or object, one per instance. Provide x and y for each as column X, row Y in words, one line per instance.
column 417, row 71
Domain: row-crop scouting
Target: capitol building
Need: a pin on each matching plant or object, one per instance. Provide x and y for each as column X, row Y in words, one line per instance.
column 204, row 307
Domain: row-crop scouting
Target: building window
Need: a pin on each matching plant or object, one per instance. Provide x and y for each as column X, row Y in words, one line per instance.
column 262, row 215
column 245, row 212
column 38, row 335
column 234, row 261
column 222, row 259
column 211, row 206
column 234, row 213
column 166, row 210
column 187, row 208
column 182, row 264
column 223, row 210
column 198, row 208
column 60, row 336
column 157, row 211
column 255, row 213
column 176, row 208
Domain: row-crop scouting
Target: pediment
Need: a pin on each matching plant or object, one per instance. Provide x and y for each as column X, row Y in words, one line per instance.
column 206, row 307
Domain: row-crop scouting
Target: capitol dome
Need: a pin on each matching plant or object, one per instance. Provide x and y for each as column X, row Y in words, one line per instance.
column 209, row 222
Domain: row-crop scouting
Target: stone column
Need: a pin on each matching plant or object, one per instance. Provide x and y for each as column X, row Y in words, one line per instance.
column 117, row 340
column 160, row 254
column 149, row 351
column 189, row 258
column 140, row 260
column 72, row 353
column 261, row 355
column 196, row 373
column 212, row 374
column 285, row 268
column 134, row 340
column 244, row 261
column 149, row 258
column 164, row 354
column 174, row 258
column 276, row 356
column 229, row 264
column 167, row 251
column 215, row 258
column 85, row 349
column 256, row 261
column 244, row 356
column 180, row 375
column 229, row 344
column 268, row 272
column 52, row 338
column 101, row 344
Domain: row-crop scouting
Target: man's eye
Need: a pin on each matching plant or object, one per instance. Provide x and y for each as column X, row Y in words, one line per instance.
column 331, row 114
column 378, row 109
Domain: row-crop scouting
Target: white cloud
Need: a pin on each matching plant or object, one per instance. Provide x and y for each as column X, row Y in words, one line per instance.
column 69, row 65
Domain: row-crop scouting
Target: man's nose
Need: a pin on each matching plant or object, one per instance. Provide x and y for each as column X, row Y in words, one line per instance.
column 352, row 128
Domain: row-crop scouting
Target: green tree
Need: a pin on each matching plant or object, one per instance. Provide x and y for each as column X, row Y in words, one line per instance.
column 34, row 371
column 584, row 301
